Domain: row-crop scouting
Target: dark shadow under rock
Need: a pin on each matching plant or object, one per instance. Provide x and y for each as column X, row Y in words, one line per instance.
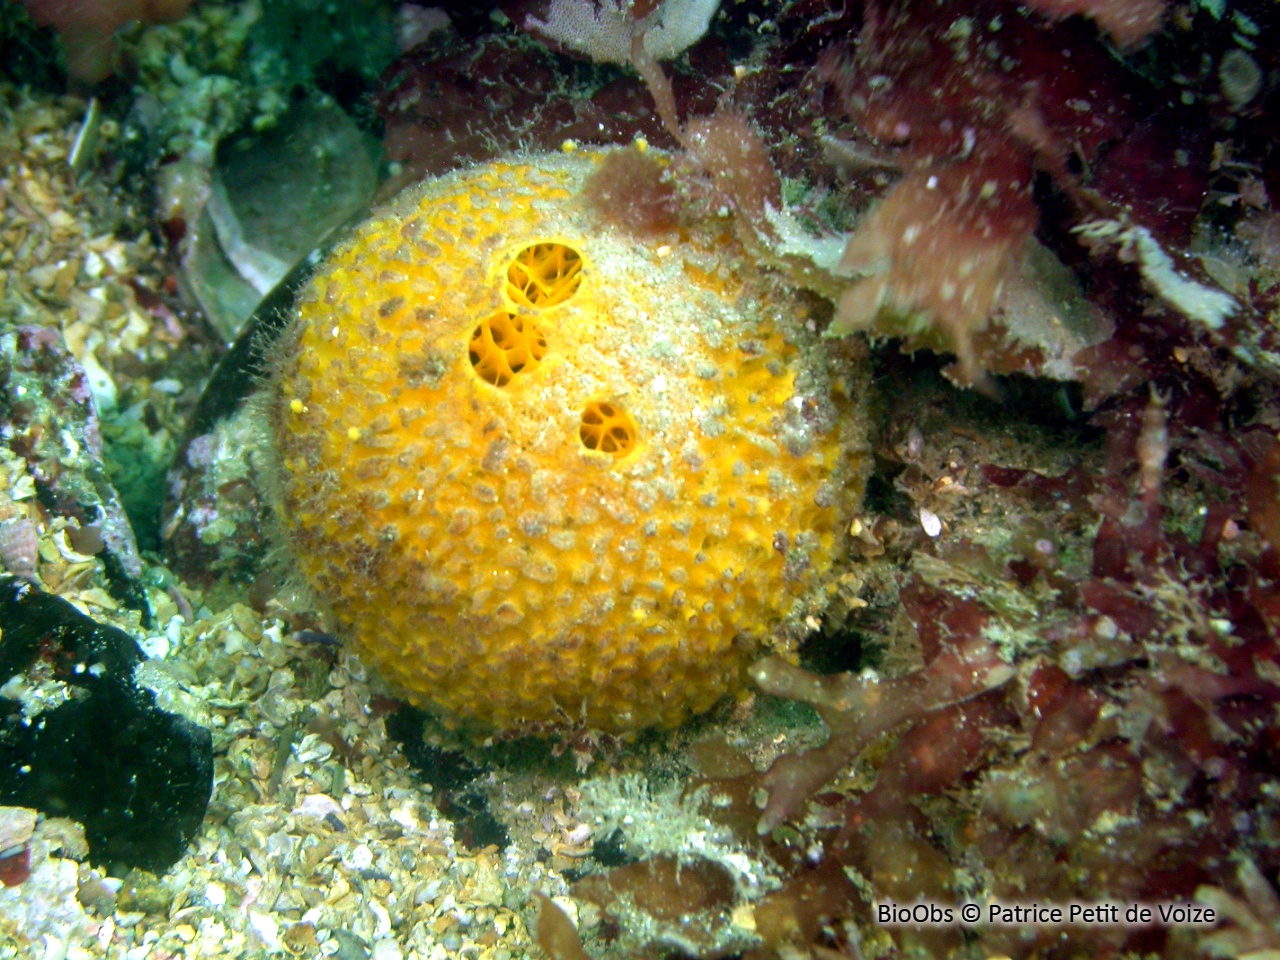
column 457, row 782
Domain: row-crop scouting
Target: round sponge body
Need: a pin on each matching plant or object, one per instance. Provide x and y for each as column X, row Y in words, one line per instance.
column 544, row 473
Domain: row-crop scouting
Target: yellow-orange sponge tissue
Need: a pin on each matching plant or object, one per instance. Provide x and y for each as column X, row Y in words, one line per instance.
column 544, row 473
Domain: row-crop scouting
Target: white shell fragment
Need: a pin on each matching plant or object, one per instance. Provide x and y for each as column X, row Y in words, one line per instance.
column 930, row 523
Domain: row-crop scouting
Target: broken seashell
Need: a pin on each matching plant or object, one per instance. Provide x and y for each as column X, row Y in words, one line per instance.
column 19, row 545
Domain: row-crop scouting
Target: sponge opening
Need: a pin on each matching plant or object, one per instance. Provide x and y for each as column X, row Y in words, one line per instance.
column 505, row 344
column 544, row 275
column 608, row 428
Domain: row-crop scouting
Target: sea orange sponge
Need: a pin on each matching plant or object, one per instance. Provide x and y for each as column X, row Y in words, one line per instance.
column 544, row 473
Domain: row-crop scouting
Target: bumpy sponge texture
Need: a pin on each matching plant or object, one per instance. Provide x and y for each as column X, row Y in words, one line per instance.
column 543, row 474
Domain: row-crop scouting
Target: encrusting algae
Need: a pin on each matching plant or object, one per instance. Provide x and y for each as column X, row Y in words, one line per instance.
column 546, row 473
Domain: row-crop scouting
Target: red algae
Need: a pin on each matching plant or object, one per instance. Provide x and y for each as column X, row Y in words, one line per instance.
column 733, row 155
column 1146, row 698
column 1128, row 23
column 859, row 709
column 630, row 190
column 940, row 245
column 969, row 101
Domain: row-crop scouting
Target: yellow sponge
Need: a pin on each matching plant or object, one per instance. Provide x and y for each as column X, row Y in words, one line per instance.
column 545, row 474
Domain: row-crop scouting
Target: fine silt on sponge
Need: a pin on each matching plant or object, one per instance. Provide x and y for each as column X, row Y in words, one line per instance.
column 544, row 473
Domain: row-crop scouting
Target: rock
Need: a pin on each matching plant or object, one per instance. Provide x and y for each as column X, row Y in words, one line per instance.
column 49, row 418
column 81, row 738
column 273, row 197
